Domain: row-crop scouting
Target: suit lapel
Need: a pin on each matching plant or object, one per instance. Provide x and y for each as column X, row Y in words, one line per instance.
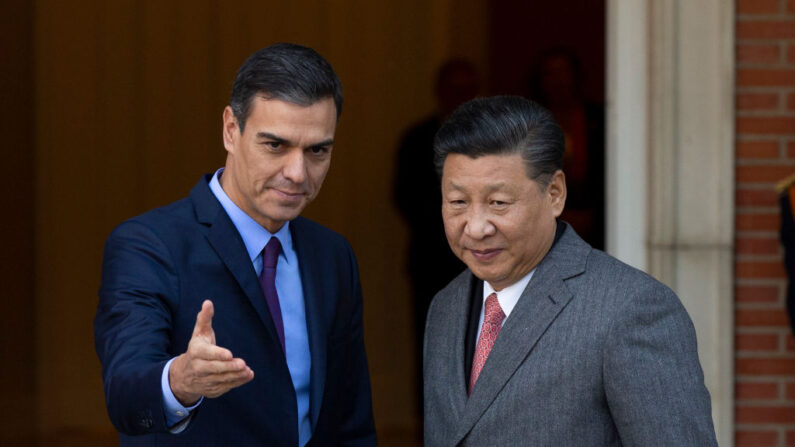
column 540, row 304
column 226, row 242
column 318, row 316
column 458, row 313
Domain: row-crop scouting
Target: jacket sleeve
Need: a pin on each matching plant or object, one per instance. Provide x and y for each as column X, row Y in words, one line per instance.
column 132, row 326
column 654, row 384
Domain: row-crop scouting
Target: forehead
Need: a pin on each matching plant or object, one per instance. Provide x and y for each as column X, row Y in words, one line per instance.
column 276, row 115
column 504, row 171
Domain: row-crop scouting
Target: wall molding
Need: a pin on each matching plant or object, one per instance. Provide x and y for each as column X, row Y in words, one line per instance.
column 670, row 142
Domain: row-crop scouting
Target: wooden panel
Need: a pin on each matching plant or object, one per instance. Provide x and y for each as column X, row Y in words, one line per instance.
column 69, row 155
column 523, row 31
column 17, row 344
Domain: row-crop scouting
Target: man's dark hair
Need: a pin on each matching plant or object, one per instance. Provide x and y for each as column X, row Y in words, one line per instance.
column 503, row 125
column 287, row 72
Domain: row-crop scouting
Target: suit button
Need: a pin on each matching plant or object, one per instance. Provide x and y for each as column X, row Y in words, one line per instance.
column 145, row 419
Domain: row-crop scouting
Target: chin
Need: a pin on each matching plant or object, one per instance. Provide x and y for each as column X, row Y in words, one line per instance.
column 485, row 276
column 490, row 276
column 283, row 210
column 286, row 217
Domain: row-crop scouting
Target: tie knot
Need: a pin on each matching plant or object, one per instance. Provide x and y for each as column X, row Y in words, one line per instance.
column 271, row 253
column 494, row 313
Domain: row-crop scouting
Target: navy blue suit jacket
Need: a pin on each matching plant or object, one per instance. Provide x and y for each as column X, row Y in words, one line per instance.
column 157, row 270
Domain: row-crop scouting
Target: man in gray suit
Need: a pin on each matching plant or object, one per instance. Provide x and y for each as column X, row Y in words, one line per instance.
column 544, row 341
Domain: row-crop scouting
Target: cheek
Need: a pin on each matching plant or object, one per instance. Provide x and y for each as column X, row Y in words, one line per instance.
column 317, row 174
column 258, row 180
column 264, row 173
column 453, row 225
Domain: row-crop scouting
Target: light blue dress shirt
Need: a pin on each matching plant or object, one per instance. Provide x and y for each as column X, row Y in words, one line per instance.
column 291, row 300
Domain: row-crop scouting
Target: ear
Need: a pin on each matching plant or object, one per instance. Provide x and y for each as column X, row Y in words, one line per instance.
column 556, row 192
column 230, row 131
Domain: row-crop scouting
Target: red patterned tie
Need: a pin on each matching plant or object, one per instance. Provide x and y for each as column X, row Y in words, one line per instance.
column 492, row 323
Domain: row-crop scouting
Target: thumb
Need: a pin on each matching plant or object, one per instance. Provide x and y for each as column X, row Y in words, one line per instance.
column 204, row 322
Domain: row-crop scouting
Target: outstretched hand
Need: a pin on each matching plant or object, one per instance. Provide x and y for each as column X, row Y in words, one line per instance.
column 206, row 369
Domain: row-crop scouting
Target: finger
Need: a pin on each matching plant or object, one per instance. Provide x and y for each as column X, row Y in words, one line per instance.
column 206, row 368
column 206, row 351
column 232, row 378
column 204, row 320
column 237, row 379
column 229, row 381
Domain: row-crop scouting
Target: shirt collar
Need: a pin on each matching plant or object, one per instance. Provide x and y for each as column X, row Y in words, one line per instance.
column 254, row 235
column 509, row 296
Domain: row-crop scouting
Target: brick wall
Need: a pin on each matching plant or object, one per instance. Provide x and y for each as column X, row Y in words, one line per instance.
column 765, row 151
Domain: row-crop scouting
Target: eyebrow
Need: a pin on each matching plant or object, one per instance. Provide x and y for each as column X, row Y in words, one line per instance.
column 490, row 188
column 329, row 142
column 270, row 136
column 278, row 139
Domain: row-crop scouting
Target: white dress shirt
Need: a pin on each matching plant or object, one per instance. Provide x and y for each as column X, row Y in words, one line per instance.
column 507, row 297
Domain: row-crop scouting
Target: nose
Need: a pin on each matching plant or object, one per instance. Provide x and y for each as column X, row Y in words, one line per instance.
column 478, row 224
column 295, row 167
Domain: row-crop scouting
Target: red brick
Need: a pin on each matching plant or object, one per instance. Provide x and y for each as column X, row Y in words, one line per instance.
column 790, row 344
column 757, row 245
column 791, row 101
column 756, row 342
column 765, row 366
column 757, row 6
column 756, row 390
column 766, row 29
column 766, row 125
column 776, row 414
column 757, row 101
column 758, row 54
column 765, row 77
column 790, row 391
column 790, row 439
column 761, row 317
column 791, row 6
column 756, row 294
column 756, row 197
column 755, row 438
column 759, row 269
column 757, row 149
column 791, row 54
column 791, row 149
column 758, row 222
column 763, row 173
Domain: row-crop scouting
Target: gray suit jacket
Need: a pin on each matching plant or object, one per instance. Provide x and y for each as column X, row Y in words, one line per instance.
column 594, row 353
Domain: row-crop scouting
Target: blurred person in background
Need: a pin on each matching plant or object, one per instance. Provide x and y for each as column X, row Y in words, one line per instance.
column 556, row 83
column 430, row 263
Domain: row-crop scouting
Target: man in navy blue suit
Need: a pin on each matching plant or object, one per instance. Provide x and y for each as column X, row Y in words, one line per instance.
column 275, row 355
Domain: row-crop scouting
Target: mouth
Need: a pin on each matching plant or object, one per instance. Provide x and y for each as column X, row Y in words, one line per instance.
column 485, row 255
column 289, row 196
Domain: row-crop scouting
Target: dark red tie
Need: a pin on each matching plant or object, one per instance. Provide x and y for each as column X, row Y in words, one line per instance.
column 267, row 279
column 492, row 323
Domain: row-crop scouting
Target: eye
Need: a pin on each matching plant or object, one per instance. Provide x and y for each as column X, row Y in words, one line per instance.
column 457, row 203
column 319, row 150
column 499, row 204
column 273, row 144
